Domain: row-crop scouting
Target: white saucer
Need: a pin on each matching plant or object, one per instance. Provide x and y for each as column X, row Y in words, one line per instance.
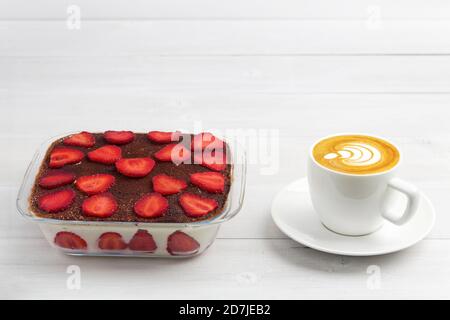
column 293, row 213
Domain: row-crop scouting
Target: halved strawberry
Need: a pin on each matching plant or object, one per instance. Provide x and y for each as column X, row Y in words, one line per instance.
column 215, row 160
column 152, row 205
column 97, row 183
column 177, row 153
column 164, row 184
column 111, row 241
column 56, row 178
column 107, row 154
column 56, row 201
column 100, row 206
column 70, row 240
column 135, row 167
column 82, row 139
column 206, row 140
column 119, row 137
column 196, row 206
column 181, row 244
column 142, row 241
column 61, row 156
column 164, row 137
column 209, row 181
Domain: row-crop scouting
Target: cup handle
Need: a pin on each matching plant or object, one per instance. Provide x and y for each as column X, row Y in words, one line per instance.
column 413, row 201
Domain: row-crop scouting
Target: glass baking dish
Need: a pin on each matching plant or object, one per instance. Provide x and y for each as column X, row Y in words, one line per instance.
column 203, row 233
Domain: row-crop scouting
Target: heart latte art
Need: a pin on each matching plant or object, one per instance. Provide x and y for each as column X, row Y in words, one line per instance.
column 356, row 154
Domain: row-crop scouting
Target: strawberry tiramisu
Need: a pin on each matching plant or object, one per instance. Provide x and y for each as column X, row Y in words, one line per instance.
column 126, row 176
column 120, row 192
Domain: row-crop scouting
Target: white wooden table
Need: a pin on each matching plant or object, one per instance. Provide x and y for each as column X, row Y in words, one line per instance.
column 302, row 68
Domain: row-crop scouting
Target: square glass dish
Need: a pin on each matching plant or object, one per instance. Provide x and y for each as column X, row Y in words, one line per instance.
column 82, row 237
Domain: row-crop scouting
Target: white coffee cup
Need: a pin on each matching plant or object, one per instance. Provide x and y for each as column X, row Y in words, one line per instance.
column 356, row 204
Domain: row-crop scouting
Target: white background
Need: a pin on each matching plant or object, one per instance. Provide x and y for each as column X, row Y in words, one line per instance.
column 307, row 68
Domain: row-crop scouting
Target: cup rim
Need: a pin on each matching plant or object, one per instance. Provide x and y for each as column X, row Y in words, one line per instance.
column 400, row 159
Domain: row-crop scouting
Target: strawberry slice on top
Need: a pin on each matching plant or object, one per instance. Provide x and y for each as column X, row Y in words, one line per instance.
column 206, row 141
column 119, row 137
column 166, row 185
column 164, row 137
column 176, row 153
column 100, row 206
column 56, row 201
column 70, row 240
column 61, row 156
column 97, row 183
column 209, row 181
column 142, row 241
column 108, row 154
column 56, row 178
column 196, row 206
column 215, row 160
column 135, row 167
column 152, row 205
column 111, row 241
column 82, row 139
column 180, row 244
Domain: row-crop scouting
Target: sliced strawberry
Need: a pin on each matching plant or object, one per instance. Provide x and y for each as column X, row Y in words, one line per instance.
column 82, row 139
column 97, row 183
column 164, row 137
column 101, row 206
column 119, row 137
column 135, row 167
column 142, row 241
column 164, row 184
column 209, row 181
column 176, row 153
column 70, row 240
column 56, row 201
column 61, row 156
column 111, row 241
column 196, row 206
column 181, row 244
column 206, row 140
column 215, row 160
column 107, row 154
column 152, row 205
column 56, row 178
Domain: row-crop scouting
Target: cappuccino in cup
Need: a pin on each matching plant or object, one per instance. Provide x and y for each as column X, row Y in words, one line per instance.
column 354, row 186
column 356, row 154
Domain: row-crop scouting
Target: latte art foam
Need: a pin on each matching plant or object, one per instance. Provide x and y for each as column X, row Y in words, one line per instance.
column 356, row 154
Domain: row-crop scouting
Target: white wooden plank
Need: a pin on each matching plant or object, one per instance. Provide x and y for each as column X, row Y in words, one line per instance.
column 239, row 269
column 230, row 75
column 232, row 9
column 204, row 37
column 75, row 99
